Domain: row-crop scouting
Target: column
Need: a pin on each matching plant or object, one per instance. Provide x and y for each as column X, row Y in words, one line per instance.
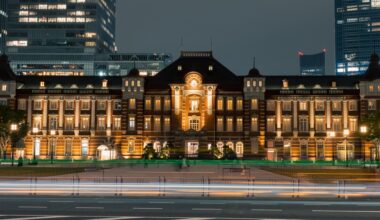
column 328, row 115
column 109, row 116
column 345, row 114
column 44, row 115
column 278, row 118
column 60, row 116
column 76, row 116
column 312, row 118
column 93, row 116
column 295, row 118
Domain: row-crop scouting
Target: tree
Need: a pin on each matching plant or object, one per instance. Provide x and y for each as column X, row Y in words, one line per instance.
column 372, row 122
column 149, row 152
column 7, row 117
column 228, row 153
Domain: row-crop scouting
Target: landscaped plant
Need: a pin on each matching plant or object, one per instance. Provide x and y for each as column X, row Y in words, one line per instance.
column 149, row 152
column 228, row 153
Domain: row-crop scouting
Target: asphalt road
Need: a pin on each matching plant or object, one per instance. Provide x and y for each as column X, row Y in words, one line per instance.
column 115, row 208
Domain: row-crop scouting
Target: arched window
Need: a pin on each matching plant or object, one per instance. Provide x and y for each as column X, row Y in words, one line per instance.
column 157, row 146
column 220, row 145
column 239, row 149
column 230, row 145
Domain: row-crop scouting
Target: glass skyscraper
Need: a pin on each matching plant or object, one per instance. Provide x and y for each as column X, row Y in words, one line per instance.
column 3, row 18
column 61, row 26
column 312, row 64
column 357, row 31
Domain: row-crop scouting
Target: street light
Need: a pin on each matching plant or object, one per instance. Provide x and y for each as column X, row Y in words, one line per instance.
column 13, row 130
column 332, row 134
column 363, row 131
column 35, row 130
column 52, row 133
column 346, row 132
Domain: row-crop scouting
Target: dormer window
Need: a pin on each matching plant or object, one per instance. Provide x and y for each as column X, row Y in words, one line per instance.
column 138, row 83
column 285, row 84
column 104, row 83
column 179, row 68
column 133, row 83
column 254, row 83
column 248, row 83
column 210, row 68
column 4, row 87
column 42, row 83
column 333, row 84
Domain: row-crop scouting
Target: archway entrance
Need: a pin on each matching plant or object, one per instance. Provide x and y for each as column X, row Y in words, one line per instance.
column 104, row 153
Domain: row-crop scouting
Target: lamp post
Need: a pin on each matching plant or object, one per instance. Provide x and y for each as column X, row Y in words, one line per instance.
column 363, row 131
column 13, row 130
column 332, row 135
column 52, row 134
column 346, row 132
column 35, row 130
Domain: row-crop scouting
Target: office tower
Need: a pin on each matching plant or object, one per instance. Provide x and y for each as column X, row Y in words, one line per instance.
column 312, row 64
column 357, row 30
column 3, row 18
column 61, row 26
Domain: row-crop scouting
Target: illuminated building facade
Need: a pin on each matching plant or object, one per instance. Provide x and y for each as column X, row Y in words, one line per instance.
column 312, row 64
column 61, row 26
column 114, row 64
column 3, row 29
column 195, row 103
column 357, row 27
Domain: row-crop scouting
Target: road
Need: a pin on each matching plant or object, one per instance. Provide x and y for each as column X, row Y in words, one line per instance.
column 115, row 208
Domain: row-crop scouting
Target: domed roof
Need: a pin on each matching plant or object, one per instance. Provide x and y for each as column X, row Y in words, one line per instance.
column 134, row 73
column 254, row 73
column 373, row 71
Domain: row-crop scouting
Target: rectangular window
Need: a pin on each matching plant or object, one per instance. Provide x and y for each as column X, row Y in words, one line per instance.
column 194, row 105
column 157, row 123
column 287, row 149
column 303, row 125
column 84, row 147
column 220, row 124
column 239, row 104
column 270, row 125
column 85, row 105
column 336, row 106
column 52, row 146
column 37, row 122
column 194, row 124
column 101, row 105
column 132, row 104
column 352, row 106
column 157, row 104
column 372, row 105
column 70, row 105
column 68, row 147
column 21, row 104
column 254, row 104
column 230, row 124
column 287, row 106
column 37, row 105
column 286, row 125
column 320, row 150
column 132, row 123
column 147, row 123
column 37, row 147
column 53, row 122
column 148, row 104
column 101, row 123
column 353, row 125
column 319, row 106
column 167, row 124
column 254, row 124
column 53, row 105
column 270, row 105
column 220, row 104
column 320, row 125
column 239, row 124
column 85, row 123
column 230, row 106
column 303, row 150
column 117, row 105
column 167, row 104
column 117, row 123
column 69, row 123
column 337, row 124
column 303, row 106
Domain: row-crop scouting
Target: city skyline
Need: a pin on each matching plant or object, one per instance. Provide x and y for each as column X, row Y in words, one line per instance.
column 236, row 38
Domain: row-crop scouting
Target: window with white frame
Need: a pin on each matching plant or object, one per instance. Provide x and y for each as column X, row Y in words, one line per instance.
column 116, row 123
column 132, row 123
column 320, row 149
column 372, row 105
column 194, row 123
column 37, row 147
column 84, row 123
column 147, row 123
column 69, row 123
column 37, row 122
column 53, row 124
column 303, row 124
column 37, row 105
column 68, row 147
column 239, row 148
column 69, row 105
column 53, row 105
column 336, row 106
column 101, row 123
column 353, row 125
column 85, row 105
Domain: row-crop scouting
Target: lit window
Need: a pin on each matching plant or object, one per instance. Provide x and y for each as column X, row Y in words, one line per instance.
column 254, row 124
column 84, row 147
column 194, row 124
column 303, row 106
column 248, row 84
column 336, row 106
column 220, row 104
column 101, row 123
column 286, row 125
column 157, row 104
column 167, row 124
column 352, row 106
column 320, row 106
column 104, row 84
column 179, row 68
column 287, row 106
column 337, row 124
column 270, row 125
column 254, row 105
column 132, row 123
column 116, row 123
column 147, row 123
column 320, row 125
column 371, row 88
column 157, row 123
column 4, row 88
column 148, row 104
column 229, row 104
column 220, row 126
column 69, row 123
column 85, row 123
column 303, row 125
column 210, row 68
column 371, row 104
column 37, row 104
column 239, row 124
column 85, row 105
column 132, row 103
column 194, row 105
column 353, row 125
column 239, row 104
column 230, row 124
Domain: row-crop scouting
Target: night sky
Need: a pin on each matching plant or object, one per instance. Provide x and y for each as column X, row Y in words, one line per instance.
column 271, row 30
